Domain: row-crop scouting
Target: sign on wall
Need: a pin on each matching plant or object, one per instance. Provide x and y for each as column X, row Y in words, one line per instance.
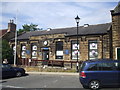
column 66, row 52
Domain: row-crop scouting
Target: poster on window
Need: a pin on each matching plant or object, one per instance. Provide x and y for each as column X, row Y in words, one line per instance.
column 75, row 46
column 23, row 54
column 23, row 47
column 93, row 54
column 59, row 53
column 34, row 47
column 74, row 54
column 93, row 45
column 34, row 53
column 14, row 48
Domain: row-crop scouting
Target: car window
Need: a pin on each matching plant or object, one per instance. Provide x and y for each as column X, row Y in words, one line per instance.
column 92, row 67
column 82, row 66
column 106, row 66
column 5, row 66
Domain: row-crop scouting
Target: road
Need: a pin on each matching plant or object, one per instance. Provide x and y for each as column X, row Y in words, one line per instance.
column 45, row 81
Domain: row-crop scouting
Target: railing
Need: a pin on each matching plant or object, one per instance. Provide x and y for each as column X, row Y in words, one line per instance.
column 35, row 62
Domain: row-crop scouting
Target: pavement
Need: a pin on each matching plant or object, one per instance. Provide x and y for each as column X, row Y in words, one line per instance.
column 53, row 73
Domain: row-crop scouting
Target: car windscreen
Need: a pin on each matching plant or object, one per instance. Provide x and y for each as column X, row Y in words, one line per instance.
column 6, row 66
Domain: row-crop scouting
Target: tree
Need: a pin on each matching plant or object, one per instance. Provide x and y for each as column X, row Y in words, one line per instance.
column 27, row 28
column 7, row 52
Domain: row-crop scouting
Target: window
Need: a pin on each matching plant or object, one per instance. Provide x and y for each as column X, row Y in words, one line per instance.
column 93, row 49
column 105, row 66
column 74, row 50
column 34, row 50
column 59, row 50
column 23, row 51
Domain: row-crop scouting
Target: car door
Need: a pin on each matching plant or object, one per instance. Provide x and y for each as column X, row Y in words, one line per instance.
column 7, row 71
column 117, row 72
column 109, row 76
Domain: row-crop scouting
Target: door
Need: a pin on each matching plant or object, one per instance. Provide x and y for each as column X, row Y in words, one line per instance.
column 118, row 53
column 7, row 71
column 45, row 56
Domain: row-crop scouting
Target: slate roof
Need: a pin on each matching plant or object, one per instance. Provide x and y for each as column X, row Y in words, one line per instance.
column 117, row 9
column 2, row 32
column 71, row 31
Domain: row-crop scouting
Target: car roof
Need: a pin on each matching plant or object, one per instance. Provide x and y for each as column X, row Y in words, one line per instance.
column 101, row 60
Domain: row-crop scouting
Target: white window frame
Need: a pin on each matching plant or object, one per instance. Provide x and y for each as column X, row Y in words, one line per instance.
column 116, row 52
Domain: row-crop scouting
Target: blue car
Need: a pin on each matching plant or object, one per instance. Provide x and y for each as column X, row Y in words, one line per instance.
column 9, row 71
column 95, row 74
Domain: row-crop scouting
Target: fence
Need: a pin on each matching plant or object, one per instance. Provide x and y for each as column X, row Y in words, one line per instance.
column 35, row 62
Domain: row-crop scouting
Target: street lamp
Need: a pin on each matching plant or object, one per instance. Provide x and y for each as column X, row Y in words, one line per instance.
column 15, row 54
column 77, row 21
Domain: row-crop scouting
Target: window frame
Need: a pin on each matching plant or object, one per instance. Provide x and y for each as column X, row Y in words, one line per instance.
column 73, row 42
column 59, row 51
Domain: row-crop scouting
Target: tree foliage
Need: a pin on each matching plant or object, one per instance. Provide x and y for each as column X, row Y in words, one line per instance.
column 27, row 28
column 7, row 52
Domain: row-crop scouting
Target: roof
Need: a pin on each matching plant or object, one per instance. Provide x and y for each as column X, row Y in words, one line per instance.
column 2, row 32
column 90, row 30
column 101, row 60
column 117, row 9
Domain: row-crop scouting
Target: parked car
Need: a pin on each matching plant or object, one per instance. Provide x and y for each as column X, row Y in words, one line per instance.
column 9, row 71
column 95, row 74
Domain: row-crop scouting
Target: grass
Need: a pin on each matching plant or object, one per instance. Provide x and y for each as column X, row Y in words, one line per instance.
column 48, row 69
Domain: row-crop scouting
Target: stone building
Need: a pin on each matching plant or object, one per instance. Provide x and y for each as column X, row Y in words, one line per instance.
column 95, row 42
column 8, row 33
column 116, row 32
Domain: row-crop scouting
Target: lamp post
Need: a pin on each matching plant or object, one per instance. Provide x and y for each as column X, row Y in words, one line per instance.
column 15, row 54
column 77, row 21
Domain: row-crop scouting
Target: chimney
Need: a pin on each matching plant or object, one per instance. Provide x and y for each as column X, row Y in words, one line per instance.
column 86, row 25
column 11, row 26
column 48, row 29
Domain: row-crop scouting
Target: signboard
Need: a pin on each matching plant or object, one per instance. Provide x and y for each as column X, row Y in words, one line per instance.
column 45, row 48
column 28, row 51
column 59, row 53
column 66, row 52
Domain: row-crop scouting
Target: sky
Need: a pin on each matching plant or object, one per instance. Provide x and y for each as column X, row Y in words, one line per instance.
column 55, row 14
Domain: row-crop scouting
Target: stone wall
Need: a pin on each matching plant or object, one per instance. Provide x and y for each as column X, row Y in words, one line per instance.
column 115, row 33
column 102, row 42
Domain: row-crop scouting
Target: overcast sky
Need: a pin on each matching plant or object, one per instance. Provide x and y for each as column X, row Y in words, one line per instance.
column 56, row 14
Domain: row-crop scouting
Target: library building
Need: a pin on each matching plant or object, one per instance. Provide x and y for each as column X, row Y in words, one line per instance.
column 69, row 44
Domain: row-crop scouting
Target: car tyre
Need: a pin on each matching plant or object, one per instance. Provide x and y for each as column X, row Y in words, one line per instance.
column 18, row 74
column 94, row 85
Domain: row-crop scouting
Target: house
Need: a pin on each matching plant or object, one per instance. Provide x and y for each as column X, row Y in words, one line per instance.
column 94, row 42
column 8, row 33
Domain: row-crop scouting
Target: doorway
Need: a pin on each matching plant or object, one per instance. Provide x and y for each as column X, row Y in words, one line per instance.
column 45, row 56
column 118, row 53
